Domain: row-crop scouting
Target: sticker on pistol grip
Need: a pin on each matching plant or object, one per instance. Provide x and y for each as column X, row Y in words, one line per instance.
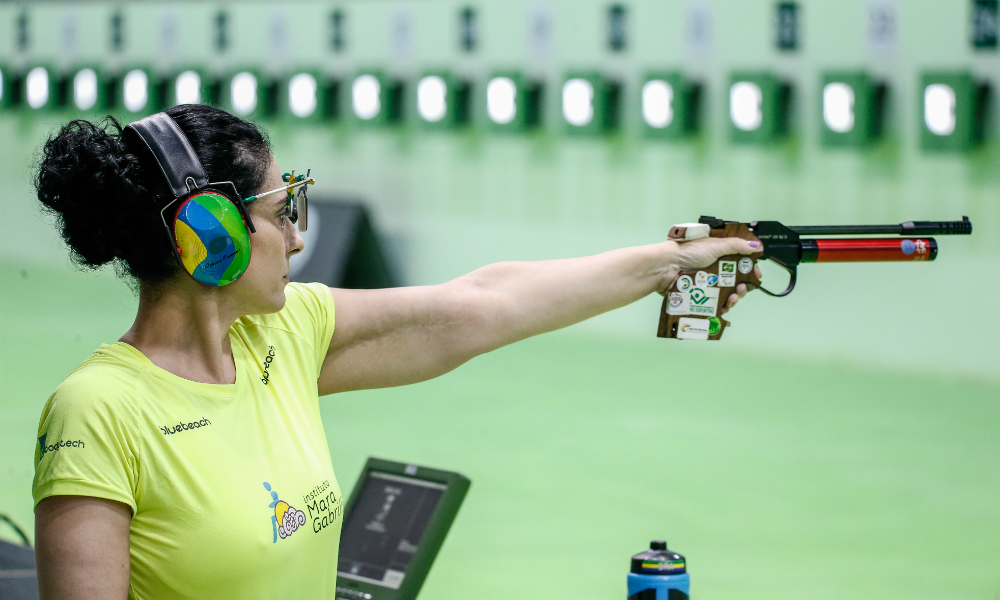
column 714, row 325
column 705, row 279
column 684, row 283
column 692, row 329
column 703, row 301
column 727, row 273
column 678, row 303
column 746, row 265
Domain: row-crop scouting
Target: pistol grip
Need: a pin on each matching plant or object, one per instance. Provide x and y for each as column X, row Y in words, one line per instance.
column 692, row 303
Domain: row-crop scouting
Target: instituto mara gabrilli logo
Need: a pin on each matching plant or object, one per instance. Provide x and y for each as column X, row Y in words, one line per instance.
column 286, row 519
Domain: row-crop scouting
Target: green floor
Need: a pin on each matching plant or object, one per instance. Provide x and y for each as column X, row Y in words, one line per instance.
column 777, row 479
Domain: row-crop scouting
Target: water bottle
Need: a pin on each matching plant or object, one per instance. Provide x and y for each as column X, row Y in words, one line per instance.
column 658, row 574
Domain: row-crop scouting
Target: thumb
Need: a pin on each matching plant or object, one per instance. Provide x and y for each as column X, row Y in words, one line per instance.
column 742, row 246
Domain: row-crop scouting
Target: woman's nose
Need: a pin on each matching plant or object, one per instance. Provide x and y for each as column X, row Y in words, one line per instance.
column 294, row 242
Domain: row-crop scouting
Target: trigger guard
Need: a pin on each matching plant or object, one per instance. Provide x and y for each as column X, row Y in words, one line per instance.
column 791, row 282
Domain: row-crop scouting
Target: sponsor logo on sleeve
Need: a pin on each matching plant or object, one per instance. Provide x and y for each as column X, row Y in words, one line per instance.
column 45, row 446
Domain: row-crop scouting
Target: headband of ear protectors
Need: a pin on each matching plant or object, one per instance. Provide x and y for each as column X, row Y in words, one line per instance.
column 207, row 223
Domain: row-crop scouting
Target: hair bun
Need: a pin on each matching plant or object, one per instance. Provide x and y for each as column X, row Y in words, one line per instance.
column 88, row 179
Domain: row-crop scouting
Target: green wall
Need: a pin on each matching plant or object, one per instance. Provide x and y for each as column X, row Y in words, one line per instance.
column 451, row 201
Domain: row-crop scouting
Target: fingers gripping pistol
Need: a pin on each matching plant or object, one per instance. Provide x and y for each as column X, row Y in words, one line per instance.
column 691, row 306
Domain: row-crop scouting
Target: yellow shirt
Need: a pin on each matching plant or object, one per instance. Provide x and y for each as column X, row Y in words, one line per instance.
column 231, row 486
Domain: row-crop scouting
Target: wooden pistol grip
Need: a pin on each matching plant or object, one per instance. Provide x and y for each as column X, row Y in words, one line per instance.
column 692, row 304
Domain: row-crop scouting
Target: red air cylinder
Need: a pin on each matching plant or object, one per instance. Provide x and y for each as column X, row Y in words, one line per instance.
column 873, row 250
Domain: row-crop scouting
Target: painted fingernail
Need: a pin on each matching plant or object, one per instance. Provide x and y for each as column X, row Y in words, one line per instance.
column 753, row 243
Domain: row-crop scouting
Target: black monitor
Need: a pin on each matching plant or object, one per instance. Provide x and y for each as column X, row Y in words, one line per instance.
column 394, row 524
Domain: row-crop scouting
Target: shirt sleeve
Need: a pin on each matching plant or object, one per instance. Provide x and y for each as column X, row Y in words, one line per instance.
column 85, row 445
column 309, row 313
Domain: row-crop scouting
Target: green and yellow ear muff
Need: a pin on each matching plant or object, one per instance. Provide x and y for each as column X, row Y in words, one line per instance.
column 211, row 238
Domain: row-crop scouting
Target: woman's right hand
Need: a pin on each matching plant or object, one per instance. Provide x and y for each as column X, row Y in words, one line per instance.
column 698, row 254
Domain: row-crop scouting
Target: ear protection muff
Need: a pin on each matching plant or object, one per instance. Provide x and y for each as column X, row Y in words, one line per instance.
column 207, row 223
column 211, row 238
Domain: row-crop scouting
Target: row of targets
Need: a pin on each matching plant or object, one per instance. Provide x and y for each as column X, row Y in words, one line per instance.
column 852, row 104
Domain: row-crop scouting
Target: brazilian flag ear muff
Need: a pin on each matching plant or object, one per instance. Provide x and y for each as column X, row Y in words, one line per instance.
column 207, row 223
column 210, row 237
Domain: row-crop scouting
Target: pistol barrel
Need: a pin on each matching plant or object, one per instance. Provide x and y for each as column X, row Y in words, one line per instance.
column 910, row 228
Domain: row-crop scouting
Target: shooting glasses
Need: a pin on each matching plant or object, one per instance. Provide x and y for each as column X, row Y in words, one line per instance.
column 295, row 214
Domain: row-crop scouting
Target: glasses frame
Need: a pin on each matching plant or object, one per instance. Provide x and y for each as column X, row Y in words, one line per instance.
column 298, row 217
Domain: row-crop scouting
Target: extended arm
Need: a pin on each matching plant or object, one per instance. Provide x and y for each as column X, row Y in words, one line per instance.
column 404, row 335
column 81, row 548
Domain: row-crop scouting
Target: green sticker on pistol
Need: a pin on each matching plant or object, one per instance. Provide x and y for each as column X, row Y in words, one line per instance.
column 714, row 325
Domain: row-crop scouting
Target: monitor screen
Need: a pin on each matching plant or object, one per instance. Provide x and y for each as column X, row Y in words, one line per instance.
column 384, row 528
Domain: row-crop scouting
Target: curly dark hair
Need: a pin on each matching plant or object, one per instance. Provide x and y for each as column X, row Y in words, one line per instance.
column 107, row 200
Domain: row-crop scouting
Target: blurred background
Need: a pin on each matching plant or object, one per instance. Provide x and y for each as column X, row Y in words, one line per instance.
column 844, row 440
